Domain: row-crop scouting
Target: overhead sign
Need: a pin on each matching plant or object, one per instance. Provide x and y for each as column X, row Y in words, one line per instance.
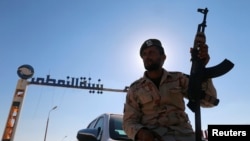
column 70, row 82
column 27, row 71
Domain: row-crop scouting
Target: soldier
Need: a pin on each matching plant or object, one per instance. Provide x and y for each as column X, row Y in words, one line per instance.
column 154, row 107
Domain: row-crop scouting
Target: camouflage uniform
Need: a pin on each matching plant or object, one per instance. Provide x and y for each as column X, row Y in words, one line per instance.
column 161, row 110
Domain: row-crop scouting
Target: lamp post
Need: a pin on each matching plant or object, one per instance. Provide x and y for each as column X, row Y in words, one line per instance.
column 48, row 123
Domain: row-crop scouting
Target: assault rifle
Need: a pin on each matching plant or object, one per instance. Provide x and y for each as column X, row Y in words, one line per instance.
column 198, row 74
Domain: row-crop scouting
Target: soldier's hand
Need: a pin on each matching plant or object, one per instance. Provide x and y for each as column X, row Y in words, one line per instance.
column 202, row 47
column 200, row 38
column 147, row 135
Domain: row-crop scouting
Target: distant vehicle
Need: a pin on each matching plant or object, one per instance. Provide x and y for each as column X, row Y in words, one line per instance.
column 106, row 127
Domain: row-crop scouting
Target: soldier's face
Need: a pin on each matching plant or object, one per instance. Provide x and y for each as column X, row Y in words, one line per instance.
column 152, row 58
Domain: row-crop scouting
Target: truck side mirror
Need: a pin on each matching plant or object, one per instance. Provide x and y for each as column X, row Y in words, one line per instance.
column 87, row 134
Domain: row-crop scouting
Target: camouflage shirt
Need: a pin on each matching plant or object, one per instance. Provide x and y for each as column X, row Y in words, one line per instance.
column 160, row 109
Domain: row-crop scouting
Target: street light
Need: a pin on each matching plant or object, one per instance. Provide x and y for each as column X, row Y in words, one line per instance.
column 48, row 123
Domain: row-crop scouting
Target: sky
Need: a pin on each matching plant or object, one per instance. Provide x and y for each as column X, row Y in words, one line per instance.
column 101, row 40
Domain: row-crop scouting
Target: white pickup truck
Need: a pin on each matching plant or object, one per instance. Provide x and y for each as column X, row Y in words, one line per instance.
column 106, row 127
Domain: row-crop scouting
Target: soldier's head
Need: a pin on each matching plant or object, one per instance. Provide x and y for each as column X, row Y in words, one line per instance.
column 152, row 54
